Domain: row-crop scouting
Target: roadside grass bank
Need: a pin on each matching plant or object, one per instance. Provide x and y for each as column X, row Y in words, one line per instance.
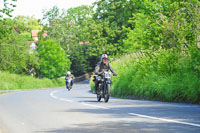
column 165, row 75
column 10, row 81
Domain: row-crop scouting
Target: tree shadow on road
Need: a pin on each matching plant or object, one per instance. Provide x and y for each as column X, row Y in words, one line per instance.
column 130, row 123
column 123, row 127
column 82, row 82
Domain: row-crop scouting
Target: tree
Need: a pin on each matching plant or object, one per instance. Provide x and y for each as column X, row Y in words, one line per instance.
column 78, row 25
column 26, row 24
column 15, row 55
column 20, row 24
column 114, row 14
column 68, row 28
column 163, row 24
column 6, row 8
column 53, row 60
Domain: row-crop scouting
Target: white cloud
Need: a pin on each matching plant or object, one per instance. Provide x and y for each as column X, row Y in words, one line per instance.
column 35, row 7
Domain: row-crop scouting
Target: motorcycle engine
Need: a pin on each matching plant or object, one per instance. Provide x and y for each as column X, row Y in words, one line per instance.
column 100, row 86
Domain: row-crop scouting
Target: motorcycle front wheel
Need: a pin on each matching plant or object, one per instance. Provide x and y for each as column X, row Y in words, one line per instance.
column 98, row 98
column 107, row 93
column 69, row 87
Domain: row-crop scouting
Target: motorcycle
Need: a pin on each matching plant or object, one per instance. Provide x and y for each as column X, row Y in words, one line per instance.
column 69, row 87
column 103, row 90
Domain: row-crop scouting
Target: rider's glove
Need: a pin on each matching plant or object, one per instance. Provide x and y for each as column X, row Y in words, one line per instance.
column 101, row 73
column 114, row 74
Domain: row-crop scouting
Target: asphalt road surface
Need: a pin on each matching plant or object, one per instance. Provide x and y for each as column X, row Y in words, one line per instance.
column 77, row 111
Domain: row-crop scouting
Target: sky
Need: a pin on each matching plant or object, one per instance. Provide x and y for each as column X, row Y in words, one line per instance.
column 35, row 7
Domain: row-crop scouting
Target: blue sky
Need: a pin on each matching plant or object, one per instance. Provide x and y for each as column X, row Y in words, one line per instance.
column 35, row 7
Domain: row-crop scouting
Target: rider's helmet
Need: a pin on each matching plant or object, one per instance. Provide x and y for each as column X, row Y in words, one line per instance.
column 104, row 58
column 68, row 73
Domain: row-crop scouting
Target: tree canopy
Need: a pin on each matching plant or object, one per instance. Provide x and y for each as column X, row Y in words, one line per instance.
column 6, row 8
column 53, row 60
column 114, row 27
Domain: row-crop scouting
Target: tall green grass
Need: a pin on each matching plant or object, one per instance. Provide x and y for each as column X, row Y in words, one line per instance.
column 166, row 75
column 10, row 81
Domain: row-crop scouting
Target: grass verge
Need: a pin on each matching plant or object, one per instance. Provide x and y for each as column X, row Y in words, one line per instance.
column 165, row 76
column 10, row 81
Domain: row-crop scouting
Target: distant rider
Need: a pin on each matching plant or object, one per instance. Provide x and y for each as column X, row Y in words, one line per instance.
column 101, row 67
column 68, row 76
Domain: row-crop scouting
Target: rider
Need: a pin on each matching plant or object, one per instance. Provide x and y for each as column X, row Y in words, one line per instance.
column 69, row 75
column 101, row 67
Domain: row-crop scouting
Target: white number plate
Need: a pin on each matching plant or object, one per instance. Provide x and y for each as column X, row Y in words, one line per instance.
column 107, row 75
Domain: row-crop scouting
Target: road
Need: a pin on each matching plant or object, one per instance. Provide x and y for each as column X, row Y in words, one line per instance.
column 77, row 111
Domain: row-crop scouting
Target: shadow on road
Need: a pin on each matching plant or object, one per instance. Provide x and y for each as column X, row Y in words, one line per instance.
column 82, row 82
column 160, row 111
column 90, row 101
column 86, row 97
column 157, row 110
column 123, row 127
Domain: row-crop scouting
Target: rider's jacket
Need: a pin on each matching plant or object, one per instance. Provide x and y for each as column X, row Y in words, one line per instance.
column 101, row 67
column 68, row 76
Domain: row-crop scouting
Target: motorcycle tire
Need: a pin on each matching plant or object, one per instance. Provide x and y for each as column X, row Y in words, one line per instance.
column 68, row 87
column 107, row 93
column 98, row 98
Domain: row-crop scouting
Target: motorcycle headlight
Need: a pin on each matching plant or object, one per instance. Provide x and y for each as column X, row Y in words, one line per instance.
column 108, row 81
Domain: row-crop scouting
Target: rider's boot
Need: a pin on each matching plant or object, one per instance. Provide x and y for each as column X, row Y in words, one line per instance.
column 95, row 87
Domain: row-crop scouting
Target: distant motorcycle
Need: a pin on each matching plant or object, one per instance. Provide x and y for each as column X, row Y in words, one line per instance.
column 69, row 87
column 103, row 90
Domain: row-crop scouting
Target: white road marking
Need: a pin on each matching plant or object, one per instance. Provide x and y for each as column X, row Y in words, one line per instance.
column 139, row 115
column 52, row 94
column 167, row 120
column 63, row 99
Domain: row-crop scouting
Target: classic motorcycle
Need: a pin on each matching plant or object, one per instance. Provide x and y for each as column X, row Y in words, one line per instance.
column 69, row 87
column 103, row 90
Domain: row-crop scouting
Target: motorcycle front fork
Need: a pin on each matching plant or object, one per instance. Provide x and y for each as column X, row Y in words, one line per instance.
column 100, row 91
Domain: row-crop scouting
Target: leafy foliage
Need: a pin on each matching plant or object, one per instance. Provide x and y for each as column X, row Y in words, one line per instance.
column 7, row 8
column 26, row 24
column 165, row 76
column 161, row 37
column 15, row 54
column 163, row 24
column 53, row 61
column 77, row 25
column 164, row 37
column 20, row 24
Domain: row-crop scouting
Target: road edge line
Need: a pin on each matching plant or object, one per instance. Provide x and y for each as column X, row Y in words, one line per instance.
column 163, row 119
